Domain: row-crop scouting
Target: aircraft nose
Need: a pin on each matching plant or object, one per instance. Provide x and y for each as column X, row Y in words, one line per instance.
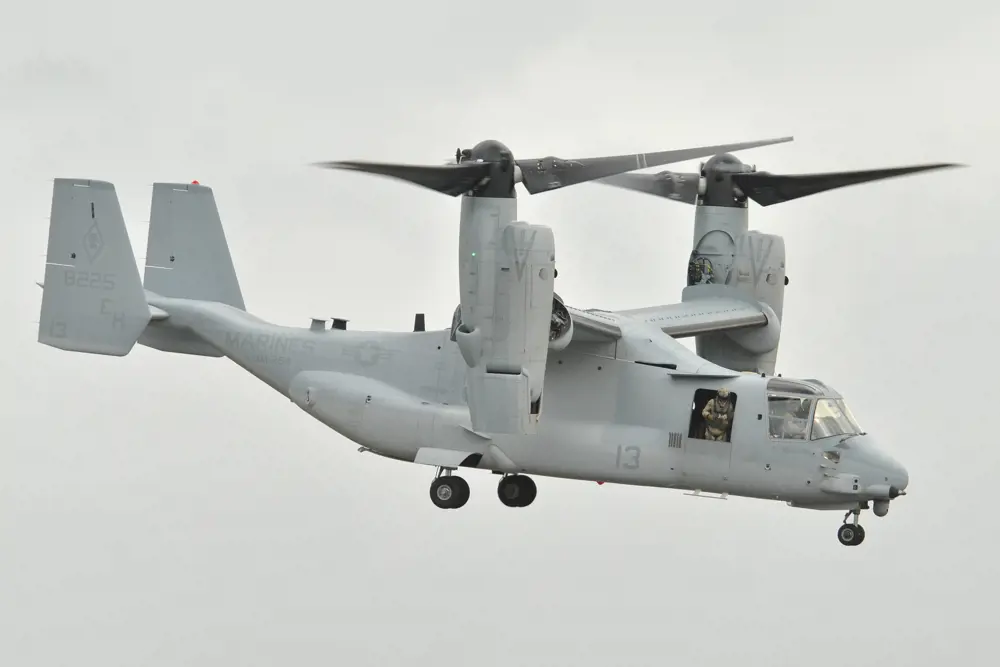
column 899, row 477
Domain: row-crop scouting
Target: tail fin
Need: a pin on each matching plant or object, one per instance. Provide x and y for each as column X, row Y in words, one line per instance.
column 187, row 255
column 92, row 299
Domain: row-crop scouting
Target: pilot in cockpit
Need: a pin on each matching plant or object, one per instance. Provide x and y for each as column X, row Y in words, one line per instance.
column 718, row 415
column 796, row 421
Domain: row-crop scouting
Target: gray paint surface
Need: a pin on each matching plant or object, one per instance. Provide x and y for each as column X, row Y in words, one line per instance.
column 218, row 525
column 646, row 406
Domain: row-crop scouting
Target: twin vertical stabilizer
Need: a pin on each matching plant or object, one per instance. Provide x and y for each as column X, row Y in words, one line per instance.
column 93, row 298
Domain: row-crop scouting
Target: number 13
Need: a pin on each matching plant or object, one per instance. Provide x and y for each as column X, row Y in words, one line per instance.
column 632, row 457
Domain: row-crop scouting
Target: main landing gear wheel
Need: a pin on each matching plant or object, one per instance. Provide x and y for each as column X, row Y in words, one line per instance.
column 851, row 534
column 449, row 492
column 517, row 490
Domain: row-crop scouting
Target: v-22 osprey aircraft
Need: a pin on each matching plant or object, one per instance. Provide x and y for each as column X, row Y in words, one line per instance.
column 520, row 384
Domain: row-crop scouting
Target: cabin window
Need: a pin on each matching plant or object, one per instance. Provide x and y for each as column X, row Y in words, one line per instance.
column 788, row 417
column 712, row 415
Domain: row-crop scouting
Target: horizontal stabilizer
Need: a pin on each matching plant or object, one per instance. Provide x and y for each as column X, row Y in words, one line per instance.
column 696, row 317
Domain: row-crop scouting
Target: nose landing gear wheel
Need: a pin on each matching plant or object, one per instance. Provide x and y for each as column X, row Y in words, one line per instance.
column 449, row 492
column 517, row 490
column 851, row 535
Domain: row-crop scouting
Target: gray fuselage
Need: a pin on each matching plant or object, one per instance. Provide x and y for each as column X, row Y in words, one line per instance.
column 603, row 418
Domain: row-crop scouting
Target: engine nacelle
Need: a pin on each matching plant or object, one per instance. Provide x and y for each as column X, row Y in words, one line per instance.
column 503, row 329
column 748, row 264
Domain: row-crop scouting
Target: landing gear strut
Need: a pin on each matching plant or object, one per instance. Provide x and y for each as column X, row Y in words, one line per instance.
column 516, row 490
column 851, row 534
column 449, row 492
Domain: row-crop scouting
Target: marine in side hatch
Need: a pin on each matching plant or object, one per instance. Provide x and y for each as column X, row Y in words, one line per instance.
column 718, row 416
column 521, row 384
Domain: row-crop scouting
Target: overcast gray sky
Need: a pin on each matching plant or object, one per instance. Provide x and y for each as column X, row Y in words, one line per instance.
column 163, row 510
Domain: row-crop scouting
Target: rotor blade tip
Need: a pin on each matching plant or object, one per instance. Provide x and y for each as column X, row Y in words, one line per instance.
column 335, row 165
column 941, row 165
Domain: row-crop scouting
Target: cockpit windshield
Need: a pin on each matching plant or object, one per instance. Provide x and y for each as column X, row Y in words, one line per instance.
column 807, row 409
column 833, row 417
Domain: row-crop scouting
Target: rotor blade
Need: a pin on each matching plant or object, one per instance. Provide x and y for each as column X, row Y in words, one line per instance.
column 450, row 179
column 552, row 173
column 767, row 189
column 672, row 185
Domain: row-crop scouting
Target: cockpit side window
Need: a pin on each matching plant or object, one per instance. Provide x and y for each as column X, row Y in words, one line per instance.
column 788, row 417
column 712, row 415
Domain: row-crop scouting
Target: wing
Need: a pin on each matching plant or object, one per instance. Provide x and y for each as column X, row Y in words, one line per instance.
column 594, row 327
column 678, row 320
column 692, row 318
